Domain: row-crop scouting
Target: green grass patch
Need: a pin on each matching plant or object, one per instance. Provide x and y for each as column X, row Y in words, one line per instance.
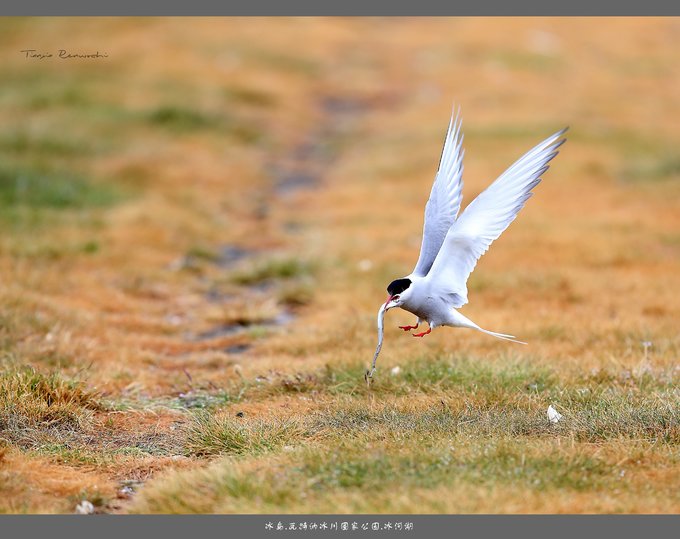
column 76, row 454
column 212, row 435
column 18, row 321
column 273, row 269
column 594, row 415
column 38, row 197
column 362, row 451
column 203, row 253
column 45, row 188
column 49, row 251
column 661, row 168
column 610, row 415
column 496, row 462
column 207, row 400
column 43, row 97
column 180, row 118
column 25, row 144
column 64, row 453
column 487, row 398
column 315, row 478
column 426, row 375
column 33, row 405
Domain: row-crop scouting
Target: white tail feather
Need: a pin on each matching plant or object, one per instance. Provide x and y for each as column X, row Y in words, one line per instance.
column 458, row 320
column 503, row 336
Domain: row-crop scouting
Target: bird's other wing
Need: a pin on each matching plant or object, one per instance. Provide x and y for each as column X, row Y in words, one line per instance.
column 444, row 202
column 485, row 219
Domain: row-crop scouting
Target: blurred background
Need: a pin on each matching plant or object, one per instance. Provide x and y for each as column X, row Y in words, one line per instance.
column 211, row 200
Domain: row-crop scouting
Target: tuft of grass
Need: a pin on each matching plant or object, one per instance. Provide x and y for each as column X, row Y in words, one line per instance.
column 250, row 96
column 45, row 98
column 55, row 251
column 202, row 253
column 64, row 453
column 273, row 269
column 552, row 332
column 18, row 320
column 659, row 169
column 23, row 143
column 296, row 294
column 607, row 413
column 180, row 118
column 203, row 399
column 214, row 435
column 31, row 402
column 36, row 188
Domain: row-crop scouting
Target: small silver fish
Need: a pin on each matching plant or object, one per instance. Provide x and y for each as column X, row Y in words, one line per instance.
column 381, row 325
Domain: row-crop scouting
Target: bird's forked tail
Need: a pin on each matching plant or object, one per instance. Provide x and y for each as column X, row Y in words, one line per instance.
column 503, row 336
column 463, row 321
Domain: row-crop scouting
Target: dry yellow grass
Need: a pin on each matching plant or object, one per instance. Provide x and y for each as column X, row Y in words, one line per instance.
column 128, row 185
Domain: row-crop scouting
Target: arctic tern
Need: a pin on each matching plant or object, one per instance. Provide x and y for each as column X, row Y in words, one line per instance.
column 452, row 245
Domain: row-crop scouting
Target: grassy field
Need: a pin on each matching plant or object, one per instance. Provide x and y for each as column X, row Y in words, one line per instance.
column 196, row 232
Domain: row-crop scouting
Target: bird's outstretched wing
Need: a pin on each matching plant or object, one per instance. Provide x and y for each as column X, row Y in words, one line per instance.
column 485, row 219
column 444, row 202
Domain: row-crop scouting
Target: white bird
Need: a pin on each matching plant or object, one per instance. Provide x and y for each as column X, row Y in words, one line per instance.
column 451, row 246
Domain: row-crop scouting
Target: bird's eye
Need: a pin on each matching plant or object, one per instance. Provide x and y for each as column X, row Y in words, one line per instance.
column 396, row 297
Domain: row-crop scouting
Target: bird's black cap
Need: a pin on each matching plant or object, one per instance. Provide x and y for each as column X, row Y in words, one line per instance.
column 398, row 286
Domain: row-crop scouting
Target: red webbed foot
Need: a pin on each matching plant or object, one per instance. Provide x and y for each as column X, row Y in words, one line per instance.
column 408, row 328
column 423, row 333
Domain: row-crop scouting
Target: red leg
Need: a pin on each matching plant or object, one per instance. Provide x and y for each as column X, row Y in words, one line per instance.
column 407, row 328
column 423, row 333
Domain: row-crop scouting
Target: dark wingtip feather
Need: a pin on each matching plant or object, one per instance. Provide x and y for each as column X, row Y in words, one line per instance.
column 557, row 145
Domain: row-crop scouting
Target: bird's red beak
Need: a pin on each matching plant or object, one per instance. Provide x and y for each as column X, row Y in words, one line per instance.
column 389, row 298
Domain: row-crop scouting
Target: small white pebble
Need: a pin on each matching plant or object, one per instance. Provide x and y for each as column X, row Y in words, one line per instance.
column 84, row 508
column 395, row 370
column 543, row 42
column 177, row 264
column 553, row 415
column 174, row 319
column 365, row 265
